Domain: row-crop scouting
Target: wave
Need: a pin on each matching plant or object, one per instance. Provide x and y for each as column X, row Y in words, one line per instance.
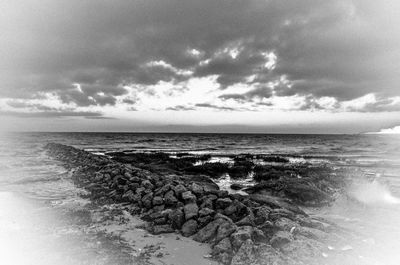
column 374, row 192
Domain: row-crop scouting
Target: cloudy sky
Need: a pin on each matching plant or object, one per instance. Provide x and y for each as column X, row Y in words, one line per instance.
column 306, row 66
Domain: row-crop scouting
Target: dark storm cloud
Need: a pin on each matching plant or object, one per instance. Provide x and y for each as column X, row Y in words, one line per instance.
column 339, row 48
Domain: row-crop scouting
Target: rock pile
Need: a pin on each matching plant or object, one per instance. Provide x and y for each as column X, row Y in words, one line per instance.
column 259, row 229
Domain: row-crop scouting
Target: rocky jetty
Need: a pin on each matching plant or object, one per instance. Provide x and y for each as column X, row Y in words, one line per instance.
column 264, row 227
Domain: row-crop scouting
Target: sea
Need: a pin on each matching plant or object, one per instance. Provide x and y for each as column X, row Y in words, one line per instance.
column 41, row 211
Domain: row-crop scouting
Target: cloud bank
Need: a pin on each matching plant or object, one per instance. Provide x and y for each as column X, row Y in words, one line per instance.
column 310, row 55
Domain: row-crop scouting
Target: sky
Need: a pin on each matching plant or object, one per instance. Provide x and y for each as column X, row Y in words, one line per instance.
column 265, row 66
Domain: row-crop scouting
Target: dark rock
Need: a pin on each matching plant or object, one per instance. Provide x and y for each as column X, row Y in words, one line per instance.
column 225, row 230
column 208, row 232
column 204, row 220
column 158, row 200
column 248, row 220
column 197, row 189
column 237, row 186
column 179, row 189
column 275, row 202
column 170, row 199
column 205, row 212
column 242, row 234
column 147, row 200
column 189, row 228
column 177, row 218
column 147, row 185
column 191, row 211
column 188, row 197
column 222, row 203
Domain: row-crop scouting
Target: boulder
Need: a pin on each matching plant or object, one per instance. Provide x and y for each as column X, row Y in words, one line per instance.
column 177, row 218
column 188, row 197
column 147, row 200
column 242, row 234
column 179, row 189
column 245, row 255
column 170, row 199
column 189, row 228
column 205, row 212
column 225, row 230
column 191, row 211
column 223, row 203
column 158, row 200
column 197, row 189
column 209, row 231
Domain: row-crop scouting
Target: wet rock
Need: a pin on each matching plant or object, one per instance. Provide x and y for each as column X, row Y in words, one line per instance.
column 191, row 210
column 222, row 203
column 237, row 186
column 280, row 239
column 275, row 202
column 177, row 218
column 189, row 228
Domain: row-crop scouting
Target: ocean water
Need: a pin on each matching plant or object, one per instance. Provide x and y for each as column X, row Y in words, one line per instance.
column 39, row 203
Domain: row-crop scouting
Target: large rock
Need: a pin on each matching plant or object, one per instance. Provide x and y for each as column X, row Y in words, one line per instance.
column 189, row 228
column 177, row 218
column 209, row 231
column 179, row 189
column 245, row 255
column 158, row 200
column 170, row 199
column 223, row 251
column 222, row 203
column 225, row 230
column 188, row 197
column 242, row 234
column 191, row 211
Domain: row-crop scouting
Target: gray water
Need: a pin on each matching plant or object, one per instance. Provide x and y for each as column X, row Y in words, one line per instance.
column 39, row 203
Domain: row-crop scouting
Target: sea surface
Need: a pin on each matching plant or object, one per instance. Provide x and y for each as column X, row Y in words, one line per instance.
column 41, row 221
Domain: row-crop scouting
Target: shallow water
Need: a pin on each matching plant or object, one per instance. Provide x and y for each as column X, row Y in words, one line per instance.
column 38, row 201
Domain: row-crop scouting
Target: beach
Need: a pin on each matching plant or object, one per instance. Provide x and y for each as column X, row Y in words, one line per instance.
column 160, row 206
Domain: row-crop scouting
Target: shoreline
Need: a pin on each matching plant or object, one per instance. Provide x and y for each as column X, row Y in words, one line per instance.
column 258, row 227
